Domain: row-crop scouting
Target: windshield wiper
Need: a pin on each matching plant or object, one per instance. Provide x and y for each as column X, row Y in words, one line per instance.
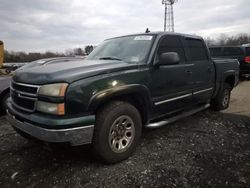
column 110, row 58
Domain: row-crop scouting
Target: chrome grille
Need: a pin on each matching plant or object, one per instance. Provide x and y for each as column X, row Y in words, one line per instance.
column 24, row 96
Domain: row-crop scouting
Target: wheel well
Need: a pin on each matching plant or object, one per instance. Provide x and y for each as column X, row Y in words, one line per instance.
column 230, row 80
column 135, row 99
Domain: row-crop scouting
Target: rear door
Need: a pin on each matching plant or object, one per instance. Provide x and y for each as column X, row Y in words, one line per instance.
column 171, row 86
column 203, row 78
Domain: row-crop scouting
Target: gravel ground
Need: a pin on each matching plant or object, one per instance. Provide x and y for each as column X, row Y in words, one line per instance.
column 209, row 149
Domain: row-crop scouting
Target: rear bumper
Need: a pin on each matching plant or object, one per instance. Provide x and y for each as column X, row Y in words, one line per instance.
column 79, row 135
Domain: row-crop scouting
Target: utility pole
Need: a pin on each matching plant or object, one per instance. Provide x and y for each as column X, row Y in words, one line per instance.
column 169, row 15
column 165, row 17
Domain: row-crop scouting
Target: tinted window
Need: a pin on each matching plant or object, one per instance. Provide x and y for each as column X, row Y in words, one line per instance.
column 197, row 50
column 233, row 51
column 172, row 44
column 216, row 52
column 248, row 51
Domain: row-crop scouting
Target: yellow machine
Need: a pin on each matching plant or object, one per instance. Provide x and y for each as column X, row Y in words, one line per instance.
column 1, row 54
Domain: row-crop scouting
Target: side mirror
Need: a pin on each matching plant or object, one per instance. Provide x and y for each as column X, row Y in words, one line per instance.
column 169, row 58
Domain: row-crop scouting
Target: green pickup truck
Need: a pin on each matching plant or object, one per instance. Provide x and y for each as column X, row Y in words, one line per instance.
column 127, row 83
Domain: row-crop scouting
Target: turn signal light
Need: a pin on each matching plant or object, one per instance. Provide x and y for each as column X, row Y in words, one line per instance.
column 247, row 59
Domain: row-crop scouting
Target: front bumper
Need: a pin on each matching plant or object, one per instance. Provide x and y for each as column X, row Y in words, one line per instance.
column 79, row 135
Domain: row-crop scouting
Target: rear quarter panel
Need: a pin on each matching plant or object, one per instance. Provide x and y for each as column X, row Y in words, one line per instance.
column 223, row 69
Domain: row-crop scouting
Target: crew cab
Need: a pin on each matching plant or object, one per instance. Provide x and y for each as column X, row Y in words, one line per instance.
column 241, row 53
column 127, row 83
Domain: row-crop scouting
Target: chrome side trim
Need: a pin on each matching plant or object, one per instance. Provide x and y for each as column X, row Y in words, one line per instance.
column 173, row 99
column 202, row 91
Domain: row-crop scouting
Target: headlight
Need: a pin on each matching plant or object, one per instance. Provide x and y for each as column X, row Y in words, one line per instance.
column 53, row 90
column 51, row 108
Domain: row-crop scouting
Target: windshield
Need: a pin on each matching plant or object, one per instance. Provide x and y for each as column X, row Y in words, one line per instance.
column 131, row 49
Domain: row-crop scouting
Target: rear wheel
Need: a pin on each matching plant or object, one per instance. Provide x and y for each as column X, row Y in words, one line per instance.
column 222, row 100
column 117, row 131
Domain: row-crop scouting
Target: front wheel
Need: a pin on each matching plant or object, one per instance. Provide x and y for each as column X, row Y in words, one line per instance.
column 222, row 100
column 117, row 131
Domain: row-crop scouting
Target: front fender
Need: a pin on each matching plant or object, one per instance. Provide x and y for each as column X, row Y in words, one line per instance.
column 106, row 95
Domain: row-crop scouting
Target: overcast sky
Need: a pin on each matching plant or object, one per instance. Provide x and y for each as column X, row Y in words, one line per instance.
column 56, row 25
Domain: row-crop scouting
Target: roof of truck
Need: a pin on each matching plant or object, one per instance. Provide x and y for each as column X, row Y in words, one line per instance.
column 161, row 33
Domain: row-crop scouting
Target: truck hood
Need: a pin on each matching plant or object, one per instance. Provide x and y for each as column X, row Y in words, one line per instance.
column 69, row 71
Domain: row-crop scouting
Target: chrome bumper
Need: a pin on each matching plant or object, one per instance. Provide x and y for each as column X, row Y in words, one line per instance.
column 75, row 136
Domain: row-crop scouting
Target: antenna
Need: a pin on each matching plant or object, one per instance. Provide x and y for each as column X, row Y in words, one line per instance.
column 169, row 15
column 147, row 31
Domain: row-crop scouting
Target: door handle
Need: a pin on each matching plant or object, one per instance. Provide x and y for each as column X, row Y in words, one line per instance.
column 189, row 72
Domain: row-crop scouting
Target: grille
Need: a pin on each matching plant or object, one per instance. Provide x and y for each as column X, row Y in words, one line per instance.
column 25, row 88
column 24, row 96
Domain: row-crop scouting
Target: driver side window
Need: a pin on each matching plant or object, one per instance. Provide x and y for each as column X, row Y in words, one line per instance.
column 171, row 44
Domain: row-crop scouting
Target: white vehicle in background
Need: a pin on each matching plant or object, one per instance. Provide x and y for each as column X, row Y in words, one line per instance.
column 246, row 45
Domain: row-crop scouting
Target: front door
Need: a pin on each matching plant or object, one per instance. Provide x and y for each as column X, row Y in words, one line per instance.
column 171, row 85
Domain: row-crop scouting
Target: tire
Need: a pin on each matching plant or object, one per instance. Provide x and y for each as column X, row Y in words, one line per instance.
column 222, row 100
column 117, row 132
column 4, row 102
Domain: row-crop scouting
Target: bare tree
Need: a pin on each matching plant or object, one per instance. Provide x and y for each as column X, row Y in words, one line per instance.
column 89, row 49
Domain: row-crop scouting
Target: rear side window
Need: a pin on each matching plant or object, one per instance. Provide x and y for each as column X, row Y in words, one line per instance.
column 233, row 51
column 247, row 51
column 215, row 52
column 172, row 44
column 197, row 50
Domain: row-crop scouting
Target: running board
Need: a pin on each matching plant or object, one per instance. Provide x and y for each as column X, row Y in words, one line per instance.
column 175, row 118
